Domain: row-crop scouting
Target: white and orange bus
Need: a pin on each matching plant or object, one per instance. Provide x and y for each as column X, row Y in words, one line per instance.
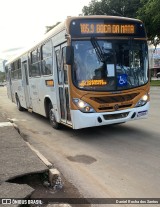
column 88, row 71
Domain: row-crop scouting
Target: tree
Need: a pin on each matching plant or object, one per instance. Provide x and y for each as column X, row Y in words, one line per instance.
column 112, row 7
column 48, row 28
column 150, row 15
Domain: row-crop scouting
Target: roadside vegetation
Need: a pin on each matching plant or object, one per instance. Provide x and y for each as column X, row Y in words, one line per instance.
column 2, row 76
column 155, row 82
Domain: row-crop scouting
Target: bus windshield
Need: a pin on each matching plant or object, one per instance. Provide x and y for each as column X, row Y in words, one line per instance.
column 109, row 65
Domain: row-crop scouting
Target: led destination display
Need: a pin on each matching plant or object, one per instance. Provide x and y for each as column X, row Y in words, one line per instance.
column 107, row 28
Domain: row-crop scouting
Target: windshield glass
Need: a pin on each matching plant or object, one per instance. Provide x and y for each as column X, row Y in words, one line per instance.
column 107, row 65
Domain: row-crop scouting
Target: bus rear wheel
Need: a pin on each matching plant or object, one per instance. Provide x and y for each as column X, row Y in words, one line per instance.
column 52, row 118
column 20, row 108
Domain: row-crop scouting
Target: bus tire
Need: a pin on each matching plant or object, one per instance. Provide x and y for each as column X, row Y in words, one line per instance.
column 52, row 118
column 20, row 108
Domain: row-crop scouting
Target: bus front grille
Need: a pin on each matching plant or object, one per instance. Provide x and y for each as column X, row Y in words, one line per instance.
column 114, row 99
column 115, row 116
column 123, row 106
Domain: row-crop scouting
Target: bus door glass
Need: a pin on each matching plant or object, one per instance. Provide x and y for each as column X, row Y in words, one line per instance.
column 26, row 84
column 63, row 89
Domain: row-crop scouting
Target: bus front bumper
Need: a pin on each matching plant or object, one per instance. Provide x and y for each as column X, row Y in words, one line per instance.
column 84, row 120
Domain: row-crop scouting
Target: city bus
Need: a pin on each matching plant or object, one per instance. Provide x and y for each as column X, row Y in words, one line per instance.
column 87, row 71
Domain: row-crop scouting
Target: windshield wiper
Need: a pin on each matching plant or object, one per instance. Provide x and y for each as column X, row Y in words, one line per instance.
column 98, row 50
column 100, row 54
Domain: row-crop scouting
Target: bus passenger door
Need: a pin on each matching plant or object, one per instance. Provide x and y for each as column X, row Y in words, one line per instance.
column 63, row 88
column 26, row 84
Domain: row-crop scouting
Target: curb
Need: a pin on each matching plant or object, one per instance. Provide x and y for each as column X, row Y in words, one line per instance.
column 54, row 175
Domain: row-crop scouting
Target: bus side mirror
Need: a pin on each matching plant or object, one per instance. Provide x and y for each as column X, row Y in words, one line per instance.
column 69, row 55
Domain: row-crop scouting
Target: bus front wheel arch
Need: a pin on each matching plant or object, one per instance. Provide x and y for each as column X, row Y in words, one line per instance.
column 50, row 114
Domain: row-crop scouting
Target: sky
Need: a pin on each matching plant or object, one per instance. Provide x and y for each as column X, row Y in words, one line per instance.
column 22, row 22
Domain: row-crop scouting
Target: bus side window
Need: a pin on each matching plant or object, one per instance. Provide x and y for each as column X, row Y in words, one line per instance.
column 35, row 64
column 46, row 52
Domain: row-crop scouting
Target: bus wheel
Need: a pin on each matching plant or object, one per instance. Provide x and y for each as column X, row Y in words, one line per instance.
column 20, row 108
column 52, row 118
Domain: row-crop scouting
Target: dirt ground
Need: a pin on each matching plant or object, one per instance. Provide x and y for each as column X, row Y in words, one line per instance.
column 42, row 191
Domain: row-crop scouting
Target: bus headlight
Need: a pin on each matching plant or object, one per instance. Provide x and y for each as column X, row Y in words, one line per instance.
column 142, row 101
column 83, row 106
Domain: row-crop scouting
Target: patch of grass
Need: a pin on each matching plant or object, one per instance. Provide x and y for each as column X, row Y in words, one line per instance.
column 155, row 82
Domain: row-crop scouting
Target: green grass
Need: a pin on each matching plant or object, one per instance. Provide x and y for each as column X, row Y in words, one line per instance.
column 155, row 82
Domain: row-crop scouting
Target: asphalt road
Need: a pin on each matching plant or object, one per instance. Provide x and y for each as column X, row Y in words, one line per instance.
column 120, row 161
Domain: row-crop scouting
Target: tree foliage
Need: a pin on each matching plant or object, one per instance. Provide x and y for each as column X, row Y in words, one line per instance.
column 146, row 10
column 112, row 7
column 48, row 28
column 150, row 15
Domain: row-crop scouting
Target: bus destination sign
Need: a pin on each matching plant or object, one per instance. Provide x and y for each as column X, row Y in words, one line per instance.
column 100, row 28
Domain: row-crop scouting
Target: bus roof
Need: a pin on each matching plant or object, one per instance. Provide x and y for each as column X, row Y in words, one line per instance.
column 102, row 16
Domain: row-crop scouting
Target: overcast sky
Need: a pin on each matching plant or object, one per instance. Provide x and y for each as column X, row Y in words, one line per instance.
column 24, row 21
